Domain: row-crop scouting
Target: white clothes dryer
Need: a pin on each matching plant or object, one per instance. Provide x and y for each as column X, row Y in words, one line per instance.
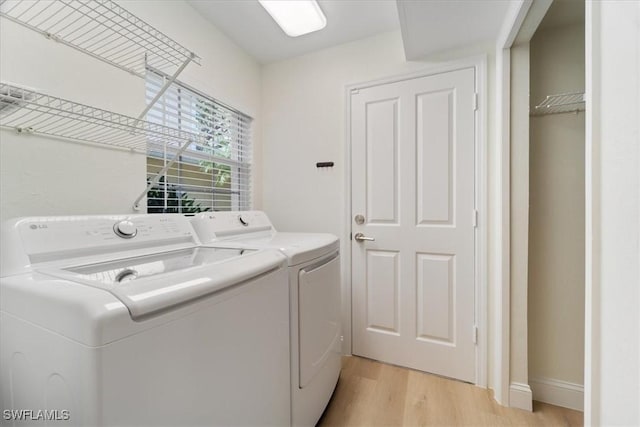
column 125, row 320
column 314, row 280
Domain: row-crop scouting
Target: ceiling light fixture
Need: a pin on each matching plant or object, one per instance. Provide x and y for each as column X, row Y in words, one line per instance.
column 296, row 17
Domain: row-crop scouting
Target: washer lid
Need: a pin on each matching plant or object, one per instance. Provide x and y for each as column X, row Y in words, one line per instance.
column 298, row 247
column 151, row 283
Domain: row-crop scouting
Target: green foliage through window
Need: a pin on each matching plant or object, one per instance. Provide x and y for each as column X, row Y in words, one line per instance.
column 176, row 201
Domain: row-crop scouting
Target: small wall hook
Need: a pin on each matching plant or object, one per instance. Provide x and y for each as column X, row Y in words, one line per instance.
column 324, row 164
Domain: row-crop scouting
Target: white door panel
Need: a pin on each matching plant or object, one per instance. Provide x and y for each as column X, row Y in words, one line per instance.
column 413, row 152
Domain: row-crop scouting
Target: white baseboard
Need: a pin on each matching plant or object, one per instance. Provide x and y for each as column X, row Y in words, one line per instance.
column 520, row 396
column 557, row 392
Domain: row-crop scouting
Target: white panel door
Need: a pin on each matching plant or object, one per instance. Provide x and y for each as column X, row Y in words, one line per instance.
column 413, row 168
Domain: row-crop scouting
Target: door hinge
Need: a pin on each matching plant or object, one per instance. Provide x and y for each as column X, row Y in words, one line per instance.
column 350, row 236
column 475, row 334
column 475, row 102
column 475, row 218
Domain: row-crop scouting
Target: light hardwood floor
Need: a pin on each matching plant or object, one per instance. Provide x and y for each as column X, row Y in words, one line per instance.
column 370, row 393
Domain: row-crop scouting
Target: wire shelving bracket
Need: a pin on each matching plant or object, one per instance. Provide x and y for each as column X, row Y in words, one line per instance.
column 28, row 111
column 562, row 103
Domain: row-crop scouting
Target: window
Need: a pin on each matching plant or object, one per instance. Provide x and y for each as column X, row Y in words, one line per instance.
column 214, row 172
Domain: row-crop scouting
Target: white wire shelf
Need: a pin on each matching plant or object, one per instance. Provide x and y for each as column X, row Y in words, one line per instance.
column 562, row 103
column 101, row 29
column 28, row 111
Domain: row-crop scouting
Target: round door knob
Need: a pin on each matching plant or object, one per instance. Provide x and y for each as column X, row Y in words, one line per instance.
column 125, row 229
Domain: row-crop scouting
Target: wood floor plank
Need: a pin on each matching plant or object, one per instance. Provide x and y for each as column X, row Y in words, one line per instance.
column 388, row 400
column 371, row 393
column 367, row 368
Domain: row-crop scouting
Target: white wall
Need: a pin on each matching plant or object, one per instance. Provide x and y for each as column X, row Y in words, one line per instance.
column 304, row 122
column 612, row 365
column 304, row 116
column 43, row 176
column 556, row 229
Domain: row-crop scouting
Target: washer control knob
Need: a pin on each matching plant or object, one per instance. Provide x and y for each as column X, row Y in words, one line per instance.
column 243, row 221
column 125, row 229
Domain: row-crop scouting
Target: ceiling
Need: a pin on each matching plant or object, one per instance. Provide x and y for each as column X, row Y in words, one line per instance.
column 251, row 27
column 433, row 26
column 428, row 26
column 562, row 13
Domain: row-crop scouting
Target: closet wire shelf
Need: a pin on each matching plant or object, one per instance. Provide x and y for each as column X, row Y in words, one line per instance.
column 27, row 111
column 101, row 29
column 562, row 103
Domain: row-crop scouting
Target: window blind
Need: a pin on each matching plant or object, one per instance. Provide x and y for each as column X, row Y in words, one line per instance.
column 214, row 172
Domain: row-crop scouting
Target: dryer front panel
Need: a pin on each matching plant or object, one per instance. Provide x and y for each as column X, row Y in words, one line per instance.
column 319, row 317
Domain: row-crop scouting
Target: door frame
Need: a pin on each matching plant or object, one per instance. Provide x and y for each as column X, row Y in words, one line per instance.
column 479, row 64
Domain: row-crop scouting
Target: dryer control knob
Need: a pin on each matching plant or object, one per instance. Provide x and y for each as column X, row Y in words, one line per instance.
column 125, row 229
column 243, row 221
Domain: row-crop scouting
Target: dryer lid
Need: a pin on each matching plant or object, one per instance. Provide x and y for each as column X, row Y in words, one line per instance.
column 252, row 229
column 303, row 247
column 298, row 247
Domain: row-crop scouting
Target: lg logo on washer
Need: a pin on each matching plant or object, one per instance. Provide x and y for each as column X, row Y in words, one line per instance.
column 38, row 226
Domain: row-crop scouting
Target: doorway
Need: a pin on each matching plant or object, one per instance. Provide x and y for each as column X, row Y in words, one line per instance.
column 556, row 265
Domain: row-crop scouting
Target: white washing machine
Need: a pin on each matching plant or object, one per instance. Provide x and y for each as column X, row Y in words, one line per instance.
column 314, row 279
column 124, row 320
